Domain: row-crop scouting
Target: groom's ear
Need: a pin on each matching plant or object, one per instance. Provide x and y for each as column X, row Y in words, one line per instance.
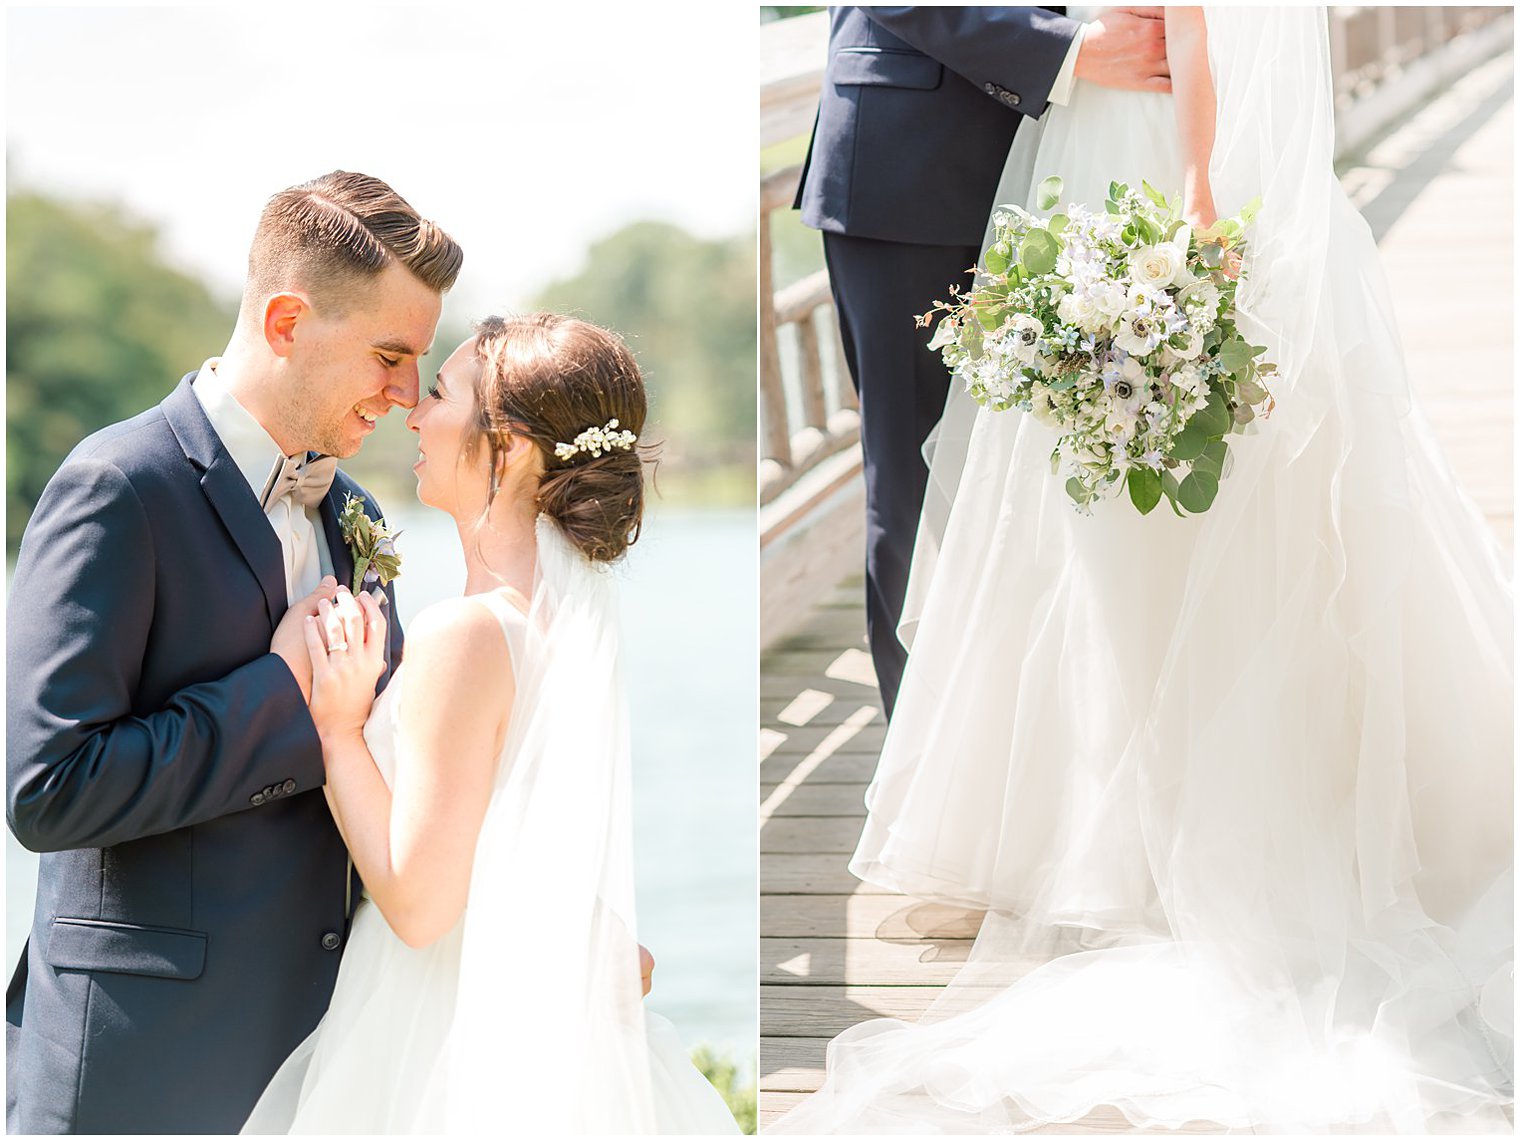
column 282, row 313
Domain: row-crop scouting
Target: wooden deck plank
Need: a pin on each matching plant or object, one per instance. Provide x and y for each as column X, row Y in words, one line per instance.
column 890, row 917
column 787, row 873
column 842, row 767
column 810, row 799
column 809, row 834
column 824, row 1011
column 834, row 962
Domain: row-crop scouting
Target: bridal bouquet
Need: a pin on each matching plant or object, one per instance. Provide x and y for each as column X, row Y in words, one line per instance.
column 1118, row 330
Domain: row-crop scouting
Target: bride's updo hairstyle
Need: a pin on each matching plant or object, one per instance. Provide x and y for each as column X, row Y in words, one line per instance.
column 550, row 378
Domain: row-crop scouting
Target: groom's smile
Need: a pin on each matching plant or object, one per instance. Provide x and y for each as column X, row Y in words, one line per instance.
column 360, row 363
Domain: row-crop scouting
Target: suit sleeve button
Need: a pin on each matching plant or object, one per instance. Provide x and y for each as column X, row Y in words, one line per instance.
column 1013, row 99
column 331, row 941
column 288, row 787
column 256, row 799
column 990, row 88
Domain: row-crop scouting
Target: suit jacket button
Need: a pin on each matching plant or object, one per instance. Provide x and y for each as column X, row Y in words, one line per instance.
column 990, row 88
column 288, row 787
column 256, row 799
column 331, row 941
column 1013, row 99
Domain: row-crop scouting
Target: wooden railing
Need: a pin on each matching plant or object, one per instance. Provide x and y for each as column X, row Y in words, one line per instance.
column 807, row 413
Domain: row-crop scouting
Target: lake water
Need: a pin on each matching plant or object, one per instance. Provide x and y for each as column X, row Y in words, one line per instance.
column 691, row 662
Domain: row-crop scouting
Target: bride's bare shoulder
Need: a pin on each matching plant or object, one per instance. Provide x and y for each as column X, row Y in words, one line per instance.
column 454, row 640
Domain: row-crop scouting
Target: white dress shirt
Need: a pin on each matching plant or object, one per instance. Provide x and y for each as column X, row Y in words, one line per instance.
column 1066, row 78
column 255, row 453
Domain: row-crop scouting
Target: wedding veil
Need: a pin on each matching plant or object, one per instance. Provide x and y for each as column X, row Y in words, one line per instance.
column 549, row 1034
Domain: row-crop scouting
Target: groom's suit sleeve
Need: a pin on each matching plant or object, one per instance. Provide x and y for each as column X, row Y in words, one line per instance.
column 1013, row 54
column 86, row 768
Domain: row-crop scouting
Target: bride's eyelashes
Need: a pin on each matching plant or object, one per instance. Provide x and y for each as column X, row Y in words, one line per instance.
column 432, row 390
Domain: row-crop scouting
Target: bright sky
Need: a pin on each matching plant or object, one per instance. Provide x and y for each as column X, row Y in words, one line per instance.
column 526, row 131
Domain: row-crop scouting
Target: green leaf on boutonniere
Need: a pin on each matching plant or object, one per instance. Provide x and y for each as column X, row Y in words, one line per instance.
column 371, row 543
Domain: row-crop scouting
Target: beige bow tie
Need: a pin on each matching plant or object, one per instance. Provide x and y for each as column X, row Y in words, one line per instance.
column 305, row 480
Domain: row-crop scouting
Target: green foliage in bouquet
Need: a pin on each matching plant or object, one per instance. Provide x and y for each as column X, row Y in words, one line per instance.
column 1118, row 329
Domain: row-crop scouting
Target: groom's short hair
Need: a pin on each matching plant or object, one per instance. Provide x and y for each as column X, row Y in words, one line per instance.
column 331, row 235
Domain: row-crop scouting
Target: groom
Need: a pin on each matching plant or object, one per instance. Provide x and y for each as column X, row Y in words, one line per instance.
column 194, row 894
column 917, row 112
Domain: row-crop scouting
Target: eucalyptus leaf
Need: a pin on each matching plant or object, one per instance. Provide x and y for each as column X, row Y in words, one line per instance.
column 1050, row 192
column 1251, row 392
column 1212, row 459
column 1196, row 493
column 1144, row 488
column 1189, row 443
column 1058, row 223
column 1211, row 255
column 999, row 254
column 1234, row 355
column 1169, row 489
column 1214, row 418
column 1075, row 489
column 1153, row 194
column 1038, row 252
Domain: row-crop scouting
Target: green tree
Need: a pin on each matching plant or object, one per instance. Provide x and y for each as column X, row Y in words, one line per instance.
column 98, row 327
column 686, row 306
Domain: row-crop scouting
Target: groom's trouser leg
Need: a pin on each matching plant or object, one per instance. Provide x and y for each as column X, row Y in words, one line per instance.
column 879, row 287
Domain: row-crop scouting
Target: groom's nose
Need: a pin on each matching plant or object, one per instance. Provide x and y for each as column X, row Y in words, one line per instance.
column 404, row 386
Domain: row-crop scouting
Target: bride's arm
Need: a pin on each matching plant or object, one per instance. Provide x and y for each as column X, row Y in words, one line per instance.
column 1187, row 53
column 414, row 845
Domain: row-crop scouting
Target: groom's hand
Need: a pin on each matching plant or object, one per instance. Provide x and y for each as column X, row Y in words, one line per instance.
column 289, row 641
column 1125, row 48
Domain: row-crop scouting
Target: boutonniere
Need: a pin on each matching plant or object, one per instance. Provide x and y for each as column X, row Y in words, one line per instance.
column 372, row 544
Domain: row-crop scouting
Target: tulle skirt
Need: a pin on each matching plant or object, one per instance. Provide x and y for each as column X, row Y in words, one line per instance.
column 1235, row 788
column 378, row 1061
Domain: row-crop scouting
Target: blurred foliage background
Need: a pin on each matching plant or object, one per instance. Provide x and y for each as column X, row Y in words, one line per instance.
column 99, row 327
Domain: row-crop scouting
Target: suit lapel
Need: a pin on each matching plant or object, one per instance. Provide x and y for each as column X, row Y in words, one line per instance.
column 229, row 494
column 342, row 557
column 337, row 549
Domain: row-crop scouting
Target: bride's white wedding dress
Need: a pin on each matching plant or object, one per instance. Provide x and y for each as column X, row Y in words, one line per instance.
column 1236, row 788
column 525, row 1018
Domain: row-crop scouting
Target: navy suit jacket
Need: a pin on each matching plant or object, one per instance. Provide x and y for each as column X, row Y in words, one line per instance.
column 193, row 890
column 918, row 108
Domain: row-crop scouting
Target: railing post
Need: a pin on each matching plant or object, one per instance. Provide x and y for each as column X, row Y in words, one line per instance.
column 778, row 439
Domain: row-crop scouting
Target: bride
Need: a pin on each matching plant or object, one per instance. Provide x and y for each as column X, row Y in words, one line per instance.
column 492, row 978
column 1235, row 789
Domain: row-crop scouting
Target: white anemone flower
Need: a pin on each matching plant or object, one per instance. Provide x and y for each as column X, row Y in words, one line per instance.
column 1024, row 337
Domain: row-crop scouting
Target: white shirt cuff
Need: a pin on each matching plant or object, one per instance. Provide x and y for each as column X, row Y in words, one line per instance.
column 1066, row 78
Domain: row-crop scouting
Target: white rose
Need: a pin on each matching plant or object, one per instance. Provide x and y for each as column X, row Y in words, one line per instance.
column 1163, row 264
column 1081, row 310
column 1110, row 299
